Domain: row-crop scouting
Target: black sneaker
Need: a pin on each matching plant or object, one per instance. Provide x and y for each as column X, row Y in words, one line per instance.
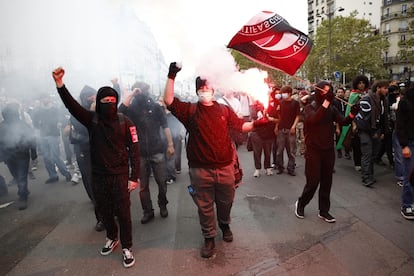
column 99, row 227
column 227, row 234
column 147, row 218
column 128, row 258
column 407, row 213
column 299, row 211
column 326, row 217
column 368, row 182
column 109, row 246
column 52, row 180
column 163, row 211
column 207, row 250
column 22, row 204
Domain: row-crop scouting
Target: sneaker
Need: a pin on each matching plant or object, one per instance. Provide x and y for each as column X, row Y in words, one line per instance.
column 109, row 246
column 147, row 218
column 207, row 250
column 68, row 177
column 400, row 183
column 358, row 168
column 177, row 171
column 299, row 211
column 169, row 181
column 269, row 171
column 256, row 173
column 348, row 156
column 22, row 204
column 407, row 213
column 326, row 217
column 99, row 227
column 227, row 234
column 292, row 173
column 128, row 258
column 368, row 182
column 163, row 211
column 75, row 178
column 279, row 171
column 52, row 180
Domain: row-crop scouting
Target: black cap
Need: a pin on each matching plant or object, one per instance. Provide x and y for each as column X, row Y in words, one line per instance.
column 200, row 82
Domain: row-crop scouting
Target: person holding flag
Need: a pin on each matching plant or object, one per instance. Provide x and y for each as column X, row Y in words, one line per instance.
column 320, row 153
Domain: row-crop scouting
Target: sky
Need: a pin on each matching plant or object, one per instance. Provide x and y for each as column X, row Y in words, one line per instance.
column 187, row 31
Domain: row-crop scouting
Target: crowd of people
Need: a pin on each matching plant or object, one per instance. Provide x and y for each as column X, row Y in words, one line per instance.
column 115, row 139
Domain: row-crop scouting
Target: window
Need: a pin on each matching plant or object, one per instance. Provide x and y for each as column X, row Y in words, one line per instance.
column 402, row 38
column 404, row 9
column 389, row 2
column 387, row 28
column 387, row 12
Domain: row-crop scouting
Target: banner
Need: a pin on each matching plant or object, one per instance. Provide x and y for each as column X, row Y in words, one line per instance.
column 269, row 40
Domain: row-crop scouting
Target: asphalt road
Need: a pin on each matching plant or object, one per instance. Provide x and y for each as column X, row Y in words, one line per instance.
column 55, row 235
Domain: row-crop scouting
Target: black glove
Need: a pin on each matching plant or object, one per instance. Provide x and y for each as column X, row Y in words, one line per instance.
column 261, row 122
column 174, row 69
column 355, row 109
column 329, row 96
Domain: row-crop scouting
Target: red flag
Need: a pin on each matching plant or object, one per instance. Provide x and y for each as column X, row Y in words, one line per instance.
column 269, row 40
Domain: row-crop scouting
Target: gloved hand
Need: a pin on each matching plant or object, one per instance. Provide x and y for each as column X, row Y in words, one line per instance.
column 261, row 122
column 173, row 70
column 329, row 96
column 355, row 109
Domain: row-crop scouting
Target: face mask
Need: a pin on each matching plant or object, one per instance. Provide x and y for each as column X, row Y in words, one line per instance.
column 285, row 95
column 205, row 97
column 108, row 110
column 278, row 96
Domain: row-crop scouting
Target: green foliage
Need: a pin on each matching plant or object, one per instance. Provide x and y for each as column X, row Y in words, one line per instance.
column 355, row 48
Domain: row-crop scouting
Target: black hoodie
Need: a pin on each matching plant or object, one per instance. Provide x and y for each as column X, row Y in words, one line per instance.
column 110, row 148
column 319, row 122
column 405, row 118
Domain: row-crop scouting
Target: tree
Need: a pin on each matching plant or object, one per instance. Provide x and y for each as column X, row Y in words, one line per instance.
column 355, row 48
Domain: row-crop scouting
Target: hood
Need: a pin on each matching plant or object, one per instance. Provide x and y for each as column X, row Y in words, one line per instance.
column 85, row 93
column 10, row 112
column 104, row 92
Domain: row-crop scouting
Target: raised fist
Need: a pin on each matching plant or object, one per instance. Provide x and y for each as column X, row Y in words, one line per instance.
column 58, row 74
column 173, row 70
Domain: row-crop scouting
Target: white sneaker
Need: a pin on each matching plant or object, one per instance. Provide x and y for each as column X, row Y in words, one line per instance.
column 256, row 173
column 128, row 258
column 75, row 178
column 358, row 168
column 269, row 171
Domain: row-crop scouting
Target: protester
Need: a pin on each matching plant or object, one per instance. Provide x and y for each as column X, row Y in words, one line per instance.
column 340, row 104
column 320, row 153
column 48, row 119
column 115, row 162
column 177, row 135
column 349, row 133
column 405, row 134
column 210, row 155
column 372, row 123
column 286, row 131
column 150, row 120
column 17, row 145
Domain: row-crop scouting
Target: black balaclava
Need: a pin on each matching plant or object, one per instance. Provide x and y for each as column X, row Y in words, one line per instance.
column 107, row 110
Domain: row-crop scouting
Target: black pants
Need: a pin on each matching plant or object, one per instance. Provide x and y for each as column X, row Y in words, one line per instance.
column 19, row 169
column 112, row 199
column 318, row 170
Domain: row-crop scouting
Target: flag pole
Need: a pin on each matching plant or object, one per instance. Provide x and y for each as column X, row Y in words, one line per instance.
column 320, row 89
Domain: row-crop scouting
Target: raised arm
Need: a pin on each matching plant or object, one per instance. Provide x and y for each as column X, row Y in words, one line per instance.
column 169, row 86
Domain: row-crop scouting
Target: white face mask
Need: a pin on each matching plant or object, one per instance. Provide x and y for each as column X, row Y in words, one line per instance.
column 284, row 95
column 278, row 96
column 205, row 97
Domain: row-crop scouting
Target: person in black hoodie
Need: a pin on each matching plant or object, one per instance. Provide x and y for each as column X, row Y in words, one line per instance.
column 17, row 144
column 79, row 137
column 405, row 135
column 115, row 162
column 320, row 116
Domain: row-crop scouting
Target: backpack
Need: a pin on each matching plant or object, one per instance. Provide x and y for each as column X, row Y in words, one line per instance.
column 238, row 171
